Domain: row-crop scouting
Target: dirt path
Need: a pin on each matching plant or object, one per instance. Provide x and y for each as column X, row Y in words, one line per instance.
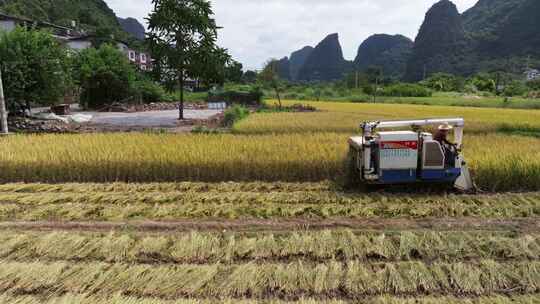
column 444, row 224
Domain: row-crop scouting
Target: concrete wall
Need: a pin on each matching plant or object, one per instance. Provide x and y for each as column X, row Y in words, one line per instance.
column 7, row 25
column 79, row 45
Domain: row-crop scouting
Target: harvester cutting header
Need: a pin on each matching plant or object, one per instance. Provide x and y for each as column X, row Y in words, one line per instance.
column 411, row 156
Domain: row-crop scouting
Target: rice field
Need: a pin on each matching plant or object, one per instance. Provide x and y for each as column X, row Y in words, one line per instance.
column 293, row 147
column 346, row 118
column 233, row 201
column 301, row 267
column 259, row 216
column 496, row 164
column 89, row 299
column 264, row 243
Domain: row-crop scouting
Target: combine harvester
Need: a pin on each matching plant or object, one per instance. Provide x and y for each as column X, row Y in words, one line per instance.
column 413, row 156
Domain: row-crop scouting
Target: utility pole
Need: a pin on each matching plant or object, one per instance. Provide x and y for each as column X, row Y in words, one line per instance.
column 3, row 112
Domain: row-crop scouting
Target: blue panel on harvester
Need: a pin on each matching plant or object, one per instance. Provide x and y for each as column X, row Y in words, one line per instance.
column 398, row 176
column 443, row 175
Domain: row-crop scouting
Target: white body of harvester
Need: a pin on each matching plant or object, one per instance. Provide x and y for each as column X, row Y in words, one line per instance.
column 398, row 157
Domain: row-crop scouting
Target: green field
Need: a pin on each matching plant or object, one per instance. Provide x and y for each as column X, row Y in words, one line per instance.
column 259, row 215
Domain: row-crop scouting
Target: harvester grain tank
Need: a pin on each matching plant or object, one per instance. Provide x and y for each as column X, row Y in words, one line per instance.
column 386, row 155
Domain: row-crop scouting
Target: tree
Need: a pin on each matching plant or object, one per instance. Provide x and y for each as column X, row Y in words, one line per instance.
column 182, row 37
column 103, row 35
column 444, row 82
column 3, row 111
column 212, row 65
column 534, row 84
column 249, row 77
column 484, row 82
column 35, row 68
column 233, row 72
column 269, row 76
column 105, row 75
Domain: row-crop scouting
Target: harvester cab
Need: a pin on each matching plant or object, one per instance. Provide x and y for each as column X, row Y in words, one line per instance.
column 410, row 156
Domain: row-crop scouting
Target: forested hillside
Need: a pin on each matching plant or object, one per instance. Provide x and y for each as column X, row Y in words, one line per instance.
column 326, row 62
column 494, row 35
column 89, row 13
column 133, row 27
column 390, row 53
column 441, row 44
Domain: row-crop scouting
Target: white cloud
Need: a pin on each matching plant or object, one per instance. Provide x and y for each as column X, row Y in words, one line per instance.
column 256, row 30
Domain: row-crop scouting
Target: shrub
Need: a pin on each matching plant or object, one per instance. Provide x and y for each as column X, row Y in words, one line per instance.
column 406, row 90
column 251, row 98
column 35, row 68
column 483, row 82
column 515, row 88
column 105, row 76
column 150, row 91
column 369, row 89
column 534, row 85
column 444, row 82
column 234, row 114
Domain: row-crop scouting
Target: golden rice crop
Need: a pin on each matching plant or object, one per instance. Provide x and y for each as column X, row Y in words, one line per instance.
column 499, row 162
column 270, row 147
column 166, row 157
column 346, row 118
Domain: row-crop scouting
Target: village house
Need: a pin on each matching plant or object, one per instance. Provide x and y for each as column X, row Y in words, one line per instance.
column 75, row 40
column 532, row 74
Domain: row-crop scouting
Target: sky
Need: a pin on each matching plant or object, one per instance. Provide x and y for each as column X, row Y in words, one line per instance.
column 257, row 30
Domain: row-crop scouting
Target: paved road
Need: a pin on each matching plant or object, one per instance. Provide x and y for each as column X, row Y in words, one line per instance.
column 163, row 119
column 150, row 119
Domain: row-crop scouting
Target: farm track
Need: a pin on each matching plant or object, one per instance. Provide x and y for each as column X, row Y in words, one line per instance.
column 283, row 225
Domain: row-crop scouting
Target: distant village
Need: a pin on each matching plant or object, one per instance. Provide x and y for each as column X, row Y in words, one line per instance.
column 75, row 39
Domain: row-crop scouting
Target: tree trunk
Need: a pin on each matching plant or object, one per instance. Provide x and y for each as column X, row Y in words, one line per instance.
column 278, row 97
column 181, row 83
column 27, row 107
column 3, row 112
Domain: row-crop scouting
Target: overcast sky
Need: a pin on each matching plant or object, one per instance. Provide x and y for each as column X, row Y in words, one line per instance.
column 256, row 30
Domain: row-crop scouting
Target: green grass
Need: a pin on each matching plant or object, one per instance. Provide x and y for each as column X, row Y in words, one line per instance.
column 438, row 99
column 462, row 100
